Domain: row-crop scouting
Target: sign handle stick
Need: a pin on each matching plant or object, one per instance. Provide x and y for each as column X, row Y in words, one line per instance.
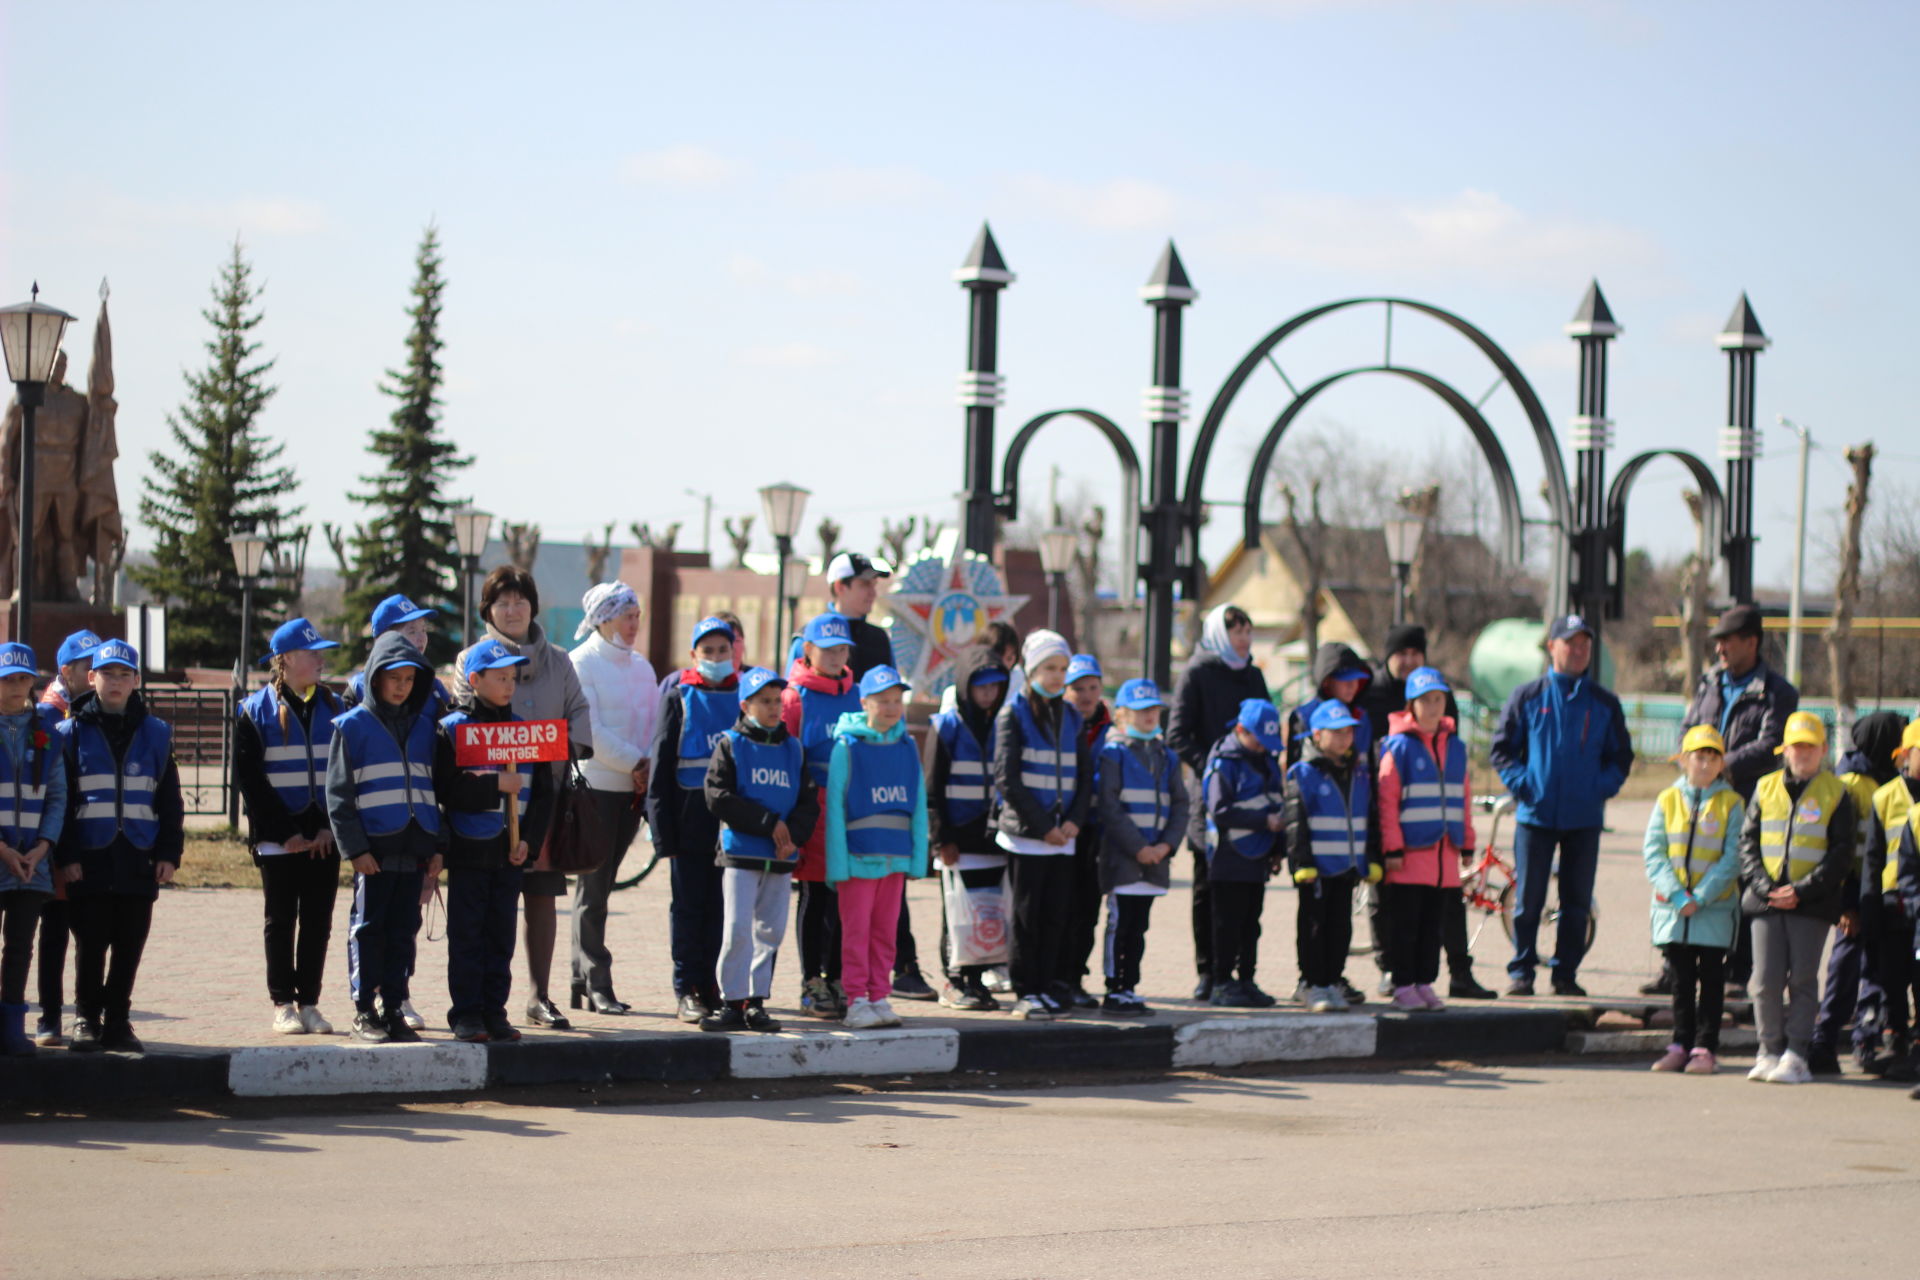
column 513, row 813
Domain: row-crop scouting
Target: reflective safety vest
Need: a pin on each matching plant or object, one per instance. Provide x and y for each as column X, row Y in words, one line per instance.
column 1146, row 794
column 1047, row 765
column 883, row 781
column 706, row 715
column 1433, row 801
column 968, row 770
column 1861, row 787
column 769, row 774
column 1697, row 834
column 485, row 824
column 1336, row 823
column 1891, row 806
column 1242, row 778
column 392, row 781
column 296, row 756
column 23, row 792
column 116, row 797
column 1793, row 833
column 820, row 714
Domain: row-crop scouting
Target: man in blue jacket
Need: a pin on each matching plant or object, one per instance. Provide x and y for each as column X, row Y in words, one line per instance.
column 1563, row 751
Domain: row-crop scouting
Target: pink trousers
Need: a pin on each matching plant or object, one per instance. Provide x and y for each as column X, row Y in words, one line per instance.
column 869, row 917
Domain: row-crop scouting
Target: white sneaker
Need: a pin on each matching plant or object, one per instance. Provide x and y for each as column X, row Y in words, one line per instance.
column 1792, row 1069
column 998, row 980
column 412, row 1019
column 1385, row 986
column 888, row 1018
column 1318, row 1000
column 1337, row 999
column 287, row 1020
column 861, row 1015
column 316, row 1025
column 1304, row 994
column 1764, row 1065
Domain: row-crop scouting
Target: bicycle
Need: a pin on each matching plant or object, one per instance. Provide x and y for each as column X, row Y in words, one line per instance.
column 1490, row 883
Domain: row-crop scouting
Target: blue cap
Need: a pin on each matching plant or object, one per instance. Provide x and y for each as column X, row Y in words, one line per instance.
column 1082, row 665
column 1351, row 673
column 116, row 653
column 881, row 679
column 1567, row 626
column 80, row 644
column 17, row 659
column 992, row 673
column 707, row 627
column 295, row 636
column 395, row 611
column 826, row 630
column 1426, row 680
column 1135, row 695
column 754, row 679
column 1331, row 714
column 1258, row 717
column 486, row 656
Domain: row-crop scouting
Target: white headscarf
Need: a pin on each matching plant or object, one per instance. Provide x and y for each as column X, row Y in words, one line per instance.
column 604, row 603
column 1214, row 638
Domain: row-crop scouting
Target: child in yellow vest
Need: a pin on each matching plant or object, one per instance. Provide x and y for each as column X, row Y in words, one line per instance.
column 1796, row 850
column 1882, row 1030
column 1692, row 851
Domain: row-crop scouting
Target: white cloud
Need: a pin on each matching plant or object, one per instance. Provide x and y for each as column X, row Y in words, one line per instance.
column 845, row 185
column 787, row 355
column 1124, row 204
column 684, row 167
column 751, row 271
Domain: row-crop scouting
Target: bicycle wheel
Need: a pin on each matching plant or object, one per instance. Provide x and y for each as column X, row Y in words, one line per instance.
column 652, row 861
column 1506, row 911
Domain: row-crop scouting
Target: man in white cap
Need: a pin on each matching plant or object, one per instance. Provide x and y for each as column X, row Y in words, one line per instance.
column 854, row 583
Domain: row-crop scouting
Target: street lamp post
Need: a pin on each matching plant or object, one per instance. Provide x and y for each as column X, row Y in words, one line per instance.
column 783, row 504
column 30, row 333
column 1743, row 340
column 249, row 556
column 1168, row 292
column 1403, row 544
column 471, row 529
column 983, row 388
column 1057, row 547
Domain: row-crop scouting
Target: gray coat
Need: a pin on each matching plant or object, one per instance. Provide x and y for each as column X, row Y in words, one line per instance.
column 1120, row 840
column 549, row 688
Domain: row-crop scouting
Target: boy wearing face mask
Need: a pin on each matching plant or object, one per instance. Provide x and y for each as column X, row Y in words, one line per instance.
column 1141, row 803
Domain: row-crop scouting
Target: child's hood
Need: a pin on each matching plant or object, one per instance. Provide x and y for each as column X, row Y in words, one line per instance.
column 968, row 663
column 1332, row 658
column 1403, row 722
column 805, row 677
column 393, row 649
column 1694, row 795
column 853, row 724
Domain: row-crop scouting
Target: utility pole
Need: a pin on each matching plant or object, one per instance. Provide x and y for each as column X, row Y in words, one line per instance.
column 1794, row 614
column 706, row 520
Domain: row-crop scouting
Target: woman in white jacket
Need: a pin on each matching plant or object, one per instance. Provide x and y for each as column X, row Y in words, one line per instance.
column 623, row 697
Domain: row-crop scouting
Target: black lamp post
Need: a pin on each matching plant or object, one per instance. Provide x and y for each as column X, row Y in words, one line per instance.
column 1742, row 340
column 471, row 528
column 982, row 389
column 783, row 505
column 1593, row 327
column 30, row 333
column 1057, row 547
column 1403, row 544
column 1167, row 291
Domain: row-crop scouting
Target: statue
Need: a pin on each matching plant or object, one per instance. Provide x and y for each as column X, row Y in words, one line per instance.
column 77, row 528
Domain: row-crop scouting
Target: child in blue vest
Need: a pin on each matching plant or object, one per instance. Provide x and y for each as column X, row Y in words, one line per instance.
column 702, row 702
column 820, row 689
column 76, row 659
column 876, row 840
column 33, row 812
column 960, row 808
column 1339, row 675
column 1044, row 775
column 1426, row 833
column 1333, row 846
column 1244, row 795
column 1141, row 807
column 757, row 789
column 386, row 821
column 485, row 873
column 1086, row 691
column 280, row 743
column 125, row 829
column 397, row 614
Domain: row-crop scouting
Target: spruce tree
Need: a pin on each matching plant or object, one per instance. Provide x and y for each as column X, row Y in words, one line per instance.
column 406, row 544
column 221, row 476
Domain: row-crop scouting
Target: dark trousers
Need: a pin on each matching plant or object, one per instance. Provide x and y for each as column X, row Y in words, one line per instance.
column 1453, row 935
column 978, row 878
column 1202, row 916
column 1235, row 907
column 56, row 927
column 1041, row 885
column 1413, row 914
column 19, row 919
column 1846, row 963
column 299, row 893
column 109, row 935
column 906, row 952
column 1696, row 1017
column 1740, row 959
column 1083, row 913
column 381, row 928
column 482, row 904
column 1533, row 850
column 819, row 931
column 1884, row 1006
column 698, row 916
column 1126, row 938
column 1324, row 925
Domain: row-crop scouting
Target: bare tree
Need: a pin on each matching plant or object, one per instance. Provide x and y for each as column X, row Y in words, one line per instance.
column 1311, row 540
column 1847, row 590
column 1422, row 504
column 655, row 540
column 598, row 553
column 930, row 531
column 829, row 534
column 339, row 540
column 893, row 540
column 523, row 544
column 741, row 538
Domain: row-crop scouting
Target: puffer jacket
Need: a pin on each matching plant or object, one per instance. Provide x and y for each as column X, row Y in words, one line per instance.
column 1439, row 863
column 1717, row 890
column 623, row 703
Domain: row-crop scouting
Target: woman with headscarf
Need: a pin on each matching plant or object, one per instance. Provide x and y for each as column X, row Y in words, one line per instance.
column 623, row 697
column 1206, row 700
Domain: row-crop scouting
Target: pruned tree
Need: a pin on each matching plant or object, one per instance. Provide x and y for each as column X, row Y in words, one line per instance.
column 1422, row 504
column 598, row 553
column 741, row 536
column 829, row 534
column 1086, row 565
column 1310, row 537
column 893, row 540
column 930, row 531
column 523, row 544
column 1847, row 590
column 655, row 539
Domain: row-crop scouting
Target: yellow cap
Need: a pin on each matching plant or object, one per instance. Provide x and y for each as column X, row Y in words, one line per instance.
column 1702, row 737
column 1909, row 739
column 1804, row 726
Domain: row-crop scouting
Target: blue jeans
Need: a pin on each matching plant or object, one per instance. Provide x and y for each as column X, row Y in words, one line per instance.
column 1533, row 849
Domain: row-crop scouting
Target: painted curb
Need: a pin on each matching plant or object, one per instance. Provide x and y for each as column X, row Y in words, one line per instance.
column 895, row 1051
column 399, row 1068
column 657, row 1056
column 1465, row 1033
column 58, row 1077
column 1068, row 1046
column 1228, row 1042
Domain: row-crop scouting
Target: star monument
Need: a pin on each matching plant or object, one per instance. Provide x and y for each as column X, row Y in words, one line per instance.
column 944, row 601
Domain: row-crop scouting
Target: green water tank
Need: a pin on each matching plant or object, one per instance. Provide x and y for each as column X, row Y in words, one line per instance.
column 1508, row 653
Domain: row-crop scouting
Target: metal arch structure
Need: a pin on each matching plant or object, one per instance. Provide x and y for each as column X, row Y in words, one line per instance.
column 1712, row 499
column 1559, row 499
column 1007, row 501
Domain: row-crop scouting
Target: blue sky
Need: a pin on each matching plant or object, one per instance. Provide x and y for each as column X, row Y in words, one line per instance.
column 710, row 246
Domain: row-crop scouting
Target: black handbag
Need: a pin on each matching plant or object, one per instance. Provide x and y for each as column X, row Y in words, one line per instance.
column 576, row 838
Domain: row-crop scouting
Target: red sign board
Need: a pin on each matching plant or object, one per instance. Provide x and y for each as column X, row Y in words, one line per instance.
column 504, row 742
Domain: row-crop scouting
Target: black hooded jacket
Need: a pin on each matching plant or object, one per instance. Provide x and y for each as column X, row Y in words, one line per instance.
column 975, row 836
column 1876, row 736
column 407, row 849
column 1329, row 659
column 1205, row 702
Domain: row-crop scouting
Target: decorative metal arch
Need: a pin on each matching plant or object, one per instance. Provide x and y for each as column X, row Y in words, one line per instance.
column 1008, row 499
column 1559, row 498
column 1712, row 499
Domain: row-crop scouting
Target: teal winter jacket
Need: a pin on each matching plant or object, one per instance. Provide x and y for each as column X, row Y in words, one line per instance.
column 1719, row 914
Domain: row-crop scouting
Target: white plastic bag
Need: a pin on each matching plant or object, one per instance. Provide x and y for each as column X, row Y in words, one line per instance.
column 977, row 921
